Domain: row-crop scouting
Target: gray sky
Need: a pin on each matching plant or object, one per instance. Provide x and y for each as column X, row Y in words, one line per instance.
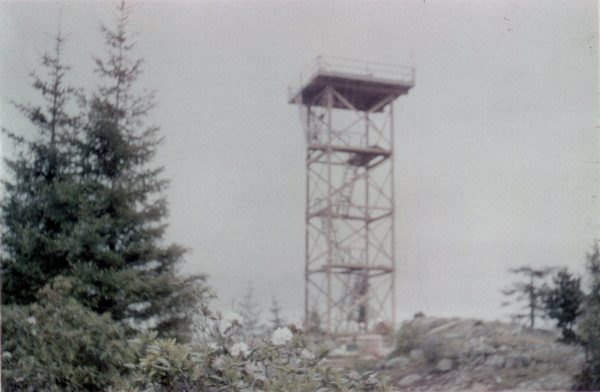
column 496, row 146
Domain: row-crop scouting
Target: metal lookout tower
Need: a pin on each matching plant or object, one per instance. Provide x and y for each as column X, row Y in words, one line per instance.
column 346, row 109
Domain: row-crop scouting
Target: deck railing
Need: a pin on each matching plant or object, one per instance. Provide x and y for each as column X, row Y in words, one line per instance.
column 399, row 73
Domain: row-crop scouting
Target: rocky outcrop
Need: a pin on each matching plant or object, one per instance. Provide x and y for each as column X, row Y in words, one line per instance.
column 463, row 354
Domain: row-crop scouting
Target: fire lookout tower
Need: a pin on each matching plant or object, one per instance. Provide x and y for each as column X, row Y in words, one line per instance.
column 346, row 109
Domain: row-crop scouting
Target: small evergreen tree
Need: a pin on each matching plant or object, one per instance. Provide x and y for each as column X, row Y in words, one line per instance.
column 250, row 312
column 589, row 327
column 275, row 309
column 530, row 292
column 563, row 303
column 313, row 322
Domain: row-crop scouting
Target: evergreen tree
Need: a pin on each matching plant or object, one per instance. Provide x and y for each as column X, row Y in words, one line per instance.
column 563, row 303
column 275, row 309
column 313, row 322
column 531, row 292
column 136, row 271
column 42, row 199
column 250, row 313
column 589, row 327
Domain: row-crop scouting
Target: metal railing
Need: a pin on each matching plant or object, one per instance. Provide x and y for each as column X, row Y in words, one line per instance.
column 395, row 72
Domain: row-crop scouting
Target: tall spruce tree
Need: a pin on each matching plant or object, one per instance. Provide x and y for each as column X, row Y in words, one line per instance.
column 130, row 259
column 42, row 199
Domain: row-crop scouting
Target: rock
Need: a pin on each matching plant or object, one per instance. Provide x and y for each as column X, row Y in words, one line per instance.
column 529, row 385
column 417, row 355
column 340, row 352
column 471, row 355
column 408, row 380
column 517, row 361
column 462, row 381
column 477, row 387
column 495, row 361
column 556, row 381
column 478, row 347
column 445, row 365
column 425, row 324
column 396, row 362
column 504, row 349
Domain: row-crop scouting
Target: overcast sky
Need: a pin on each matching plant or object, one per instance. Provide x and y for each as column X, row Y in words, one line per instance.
column 496, row 146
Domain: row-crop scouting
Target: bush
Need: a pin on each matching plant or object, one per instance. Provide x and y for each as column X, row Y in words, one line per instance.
column 57, row 344
column 219, row 362
column 407, row 339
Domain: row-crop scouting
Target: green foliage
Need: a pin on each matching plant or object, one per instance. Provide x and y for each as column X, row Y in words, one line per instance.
column 283, row 363
column 59, row 345
column 116, row 159
column 563, row 303
column 529, row 291
column 41, row 204
column 407, row 338
column 589, row 326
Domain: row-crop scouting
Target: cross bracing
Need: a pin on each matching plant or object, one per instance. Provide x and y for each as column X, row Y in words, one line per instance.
column 350, row 252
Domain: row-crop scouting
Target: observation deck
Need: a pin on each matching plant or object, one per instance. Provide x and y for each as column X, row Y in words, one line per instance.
column 363, row 84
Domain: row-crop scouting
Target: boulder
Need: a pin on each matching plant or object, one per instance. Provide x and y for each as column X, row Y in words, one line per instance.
column 495, row 361
column 445, row 365
column 529, row 385
column 556, row 381
column 408, row 380
column 417, row 355
column 477, row 387
column 396, row 362
column 517, row 361
column 477, row 347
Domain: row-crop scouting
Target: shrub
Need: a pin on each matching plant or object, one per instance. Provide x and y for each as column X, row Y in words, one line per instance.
column 407, row 338
column 57, row 344
column 282, row 362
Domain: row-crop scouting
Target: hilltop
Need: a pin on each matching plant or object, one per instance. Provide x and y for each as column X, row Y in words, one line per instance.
column 467, row 354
